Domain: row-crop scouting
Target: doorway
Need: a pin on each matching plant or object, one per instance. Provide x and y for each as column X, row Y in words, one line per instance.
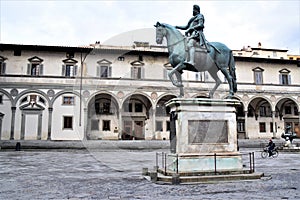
column 133, row 130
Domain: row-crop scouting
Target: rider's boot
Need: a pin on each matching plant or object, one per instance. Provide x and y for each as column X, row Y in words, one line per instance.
column 192, row 57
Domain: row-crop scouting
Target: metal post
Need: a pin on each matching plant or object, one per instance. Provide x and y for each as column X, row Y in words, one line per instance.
column 177, row 164
column 156, row 158
column 250, row 156
column 253, row 162
column 215, row 159
column 162, row 159
column 165, row 163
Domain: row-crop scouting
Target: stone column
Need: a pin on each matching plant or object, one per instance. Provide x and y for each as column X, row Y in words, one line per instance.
column 246, row 125
column 273, row 121
column 153, row 123
column 40, row 119
column 50, row 110
column 85, row 123
column 22, row 137
column 120, row 124
column 12, row 126
column 299, row 119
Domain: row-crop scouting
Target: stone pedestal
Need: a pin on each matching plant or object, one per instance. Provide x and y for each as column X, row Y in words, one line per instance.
column 203, row 135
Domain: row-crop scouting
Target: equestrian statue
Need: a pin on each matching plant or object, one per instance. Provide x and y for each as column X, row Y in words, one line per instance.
column 193, row 52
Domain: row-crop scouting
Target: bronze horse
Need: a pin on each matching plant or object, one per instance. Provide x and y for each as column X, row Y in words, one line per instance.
column 219, row 58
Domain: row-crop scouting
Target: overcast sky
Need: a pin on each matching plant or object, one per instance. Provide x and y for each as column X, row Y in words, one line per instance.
column 276, row 24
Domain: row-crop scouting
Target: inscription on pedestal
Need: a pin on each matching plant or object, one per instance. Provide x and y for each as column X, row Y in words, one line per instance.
column 207, row 131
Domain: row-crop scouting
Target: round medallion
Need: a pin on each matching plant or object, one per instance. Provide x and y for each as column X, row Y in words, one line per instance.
column 51, row 93
column 14, row 92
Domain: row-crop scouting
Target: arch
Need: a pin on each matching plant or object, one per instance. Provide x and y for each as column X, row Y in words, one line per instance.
column 102, row 115
column 21, row 94
column 136, row 109
column 103, row 92
column 256, row 102
column 288, row 111
column 137, row 93
column 64, row 92
column 289, row 99
column 160, row 108
column 7, row 94
column 240, row 108
column 106, row 97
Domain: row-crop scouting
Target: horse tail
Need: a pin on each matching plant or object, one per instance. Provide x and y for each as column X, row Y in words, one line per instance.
column 232, row 71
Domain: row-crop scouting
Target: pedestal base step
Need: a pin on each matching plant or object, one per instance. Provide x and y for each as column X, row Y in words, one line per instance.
column 176, row 179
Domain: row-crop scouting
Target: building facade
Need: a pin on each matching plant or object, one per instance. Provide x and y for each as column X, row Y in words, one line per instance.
column 112, row 92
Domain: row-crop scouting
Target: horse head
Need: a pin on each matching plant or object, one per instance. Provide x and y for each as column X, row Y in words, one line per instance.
column 160, row 32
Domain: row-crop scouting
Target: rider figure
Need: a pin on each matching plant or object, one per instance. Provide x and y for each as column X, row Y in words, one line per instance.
column 271, row 147
column 195, row 34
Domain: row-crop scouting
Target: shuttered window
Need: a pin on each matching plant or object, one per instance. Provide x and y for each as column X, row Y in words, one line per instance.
column 2, row 68
column 69, row 70
column 104, row 71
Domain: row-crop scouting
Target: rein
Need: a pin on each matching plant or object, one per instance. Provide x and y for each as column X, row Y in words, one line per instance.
column 176, row 42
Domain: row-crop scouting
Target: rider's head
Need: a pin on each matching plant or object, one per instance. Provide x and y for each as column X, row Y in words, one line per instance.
column 196, row 10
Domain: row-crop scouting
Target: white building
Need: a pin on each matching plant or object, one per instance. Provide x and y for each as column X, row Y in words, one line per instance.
column 111, row 92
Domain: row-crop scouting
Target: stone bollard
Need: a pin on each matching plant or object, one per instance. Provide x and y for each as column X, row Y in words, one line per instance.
column 175, row 179
column 18, row 146
column 153, row 176
column 145, row 172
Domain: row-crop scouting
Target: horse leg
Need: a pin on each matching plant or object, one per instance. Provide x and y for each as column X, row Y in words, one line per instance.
column 214, row 75
column 175, row 71
column 179, row 81
column 181, row 94
column 229, row 79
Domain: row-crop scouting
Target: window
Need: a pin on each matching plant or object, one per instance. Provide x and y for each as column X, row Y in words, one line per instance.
column 104, row 68
column 295, row 110
column 288, row 110
column 35, row 69
column 161, row 110
column 128, row 107
column 69, row 68
column 17, row 52
column 67, row 100
column 262, row 111
column 105, row 71
column 141, row 58
column 262, row 127
column 25, row 99
column 159, row 126
column 106, row 125
column 1, row 99
column 106, row 107
column 284, row 80
column 200, row 76
column 258, row 75
column 284, row 77
column 168, row 126
column 2, row 65
column 241, row 126
column 258, row 78
column 41, row 100
column 35, row 66
column 136, row 72
column 138, row 107
column 121, row 58
column 95, row 125
column 271, row 127
column 68, row 122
